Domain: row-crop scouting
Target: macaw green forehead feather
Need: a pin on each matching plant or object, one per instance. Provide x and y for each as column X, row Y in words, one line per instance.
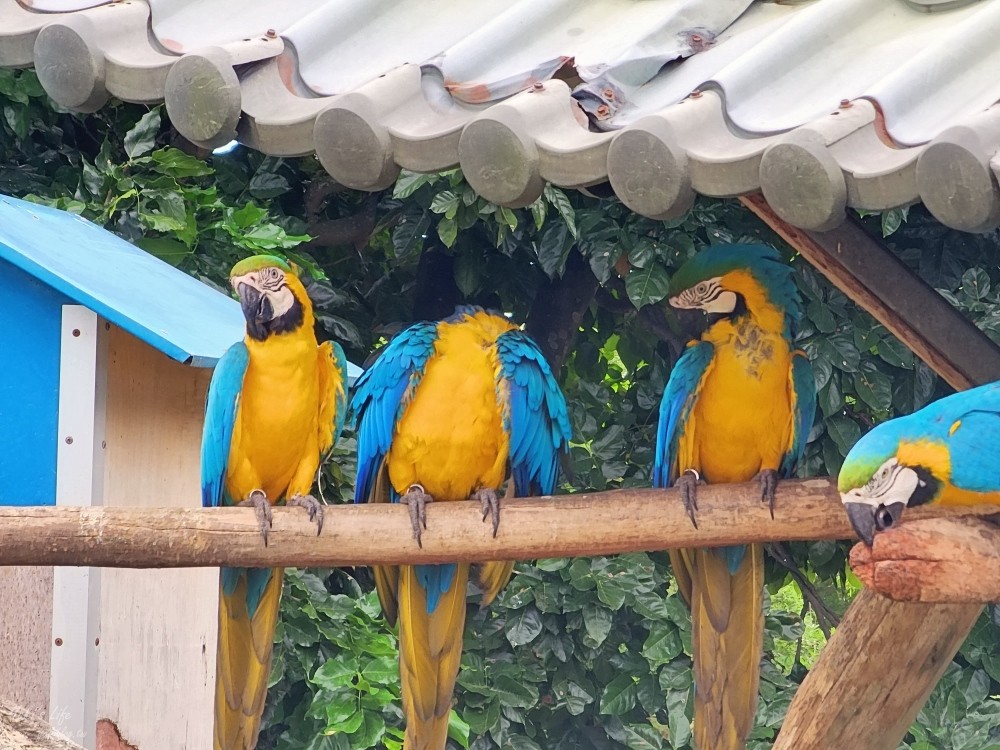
column 257, row 262
column 868, row 454
column 764, row 263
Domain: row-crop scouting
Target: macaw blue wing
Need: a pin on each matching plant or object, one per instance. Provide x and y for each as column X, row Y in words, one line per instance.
column 220, row 416
column 381, row 394
column 970, row 422
column 536, row 418
column 804, row 392
column 678, row 399
column 340, row 417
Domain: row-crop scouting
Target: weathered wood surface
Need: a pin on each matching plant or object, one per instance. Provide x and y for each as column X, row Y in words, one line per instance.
column 570, row 525
column 22, row 730
column 875, row 674
column 878, row 281
column 953, row 560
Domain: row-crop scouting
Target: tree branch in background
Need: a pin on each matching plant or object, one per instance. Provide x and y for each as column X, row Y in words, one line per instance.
column 354, row 230
column 651, row 317
column 435, row 292
column 558, row 309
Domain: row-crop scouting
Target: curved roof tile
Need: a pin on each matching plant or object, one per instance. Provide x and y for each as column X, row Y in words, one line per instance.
column 820, row 105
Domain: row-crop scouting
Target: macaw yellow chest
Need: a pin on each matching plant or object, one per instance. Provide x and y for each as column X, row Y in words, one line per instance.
column 450, row 438
column 275, row 445
column 742, row 420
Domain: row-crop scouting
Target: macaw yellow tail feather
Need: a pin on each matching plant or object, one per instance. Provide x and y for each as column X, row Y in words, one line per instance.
column 244, row 663
column 727, row 619
column 430, row 652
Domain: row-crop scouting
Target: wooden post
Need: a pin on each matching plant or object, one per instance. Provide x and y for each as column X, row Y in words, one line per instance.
column 875, row 674
column 601, row 523
column 907, row 646
column 942, row 560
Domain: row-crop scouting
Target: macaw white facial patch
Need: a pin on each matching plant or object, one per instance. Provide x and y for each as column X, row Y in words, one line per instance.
column 891, row 483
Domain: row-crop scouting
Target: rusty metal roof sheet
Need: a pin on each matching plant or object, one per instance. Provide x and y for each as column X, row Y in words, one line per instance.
column 820, row 104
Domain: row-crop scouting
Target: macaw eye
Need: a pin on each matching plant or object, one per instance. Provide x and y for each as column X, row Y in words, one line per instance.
column 883, row 518
column 701, row 288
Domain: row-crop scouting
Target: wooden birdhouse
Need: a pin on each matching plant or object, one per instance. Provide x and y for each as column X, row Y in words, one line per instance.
column 105, row 358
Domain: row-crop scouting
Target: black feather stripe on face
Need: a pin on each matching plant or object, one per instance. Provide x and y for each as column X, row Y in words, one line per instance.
column 290, row 321
column 927, row 488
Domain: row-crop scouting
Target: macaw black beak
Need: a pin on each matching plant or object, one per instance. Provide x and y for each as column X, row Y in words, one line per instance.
column 256, row 310
column 868, row 519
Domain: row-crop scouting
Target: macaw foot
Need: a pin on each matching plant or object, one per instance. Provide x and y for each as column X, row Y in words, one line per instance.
column 688, row 483
column 491, row 505
column 416, row 499
column 768, row 484
column 257, row 500
column 313, row 507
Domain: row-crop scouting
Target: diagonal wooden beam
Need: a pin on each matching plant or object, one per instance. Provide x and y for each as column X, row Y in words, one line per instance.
column 881, row 664
column 869, row 274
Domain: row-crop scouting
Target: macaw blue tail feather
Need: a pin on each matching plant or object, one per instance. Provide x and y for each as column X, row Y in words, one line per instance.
column 436, row 580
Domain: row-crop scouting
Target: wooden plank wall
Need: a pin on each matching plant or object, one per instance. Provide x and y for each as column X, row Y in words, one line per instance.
column 158, row 627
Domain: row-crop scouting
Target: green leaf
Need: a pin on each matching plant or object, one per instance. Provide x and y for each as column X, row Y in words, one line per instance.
column 174, row 162
column 642, row 737
column 619, row 696
column 552, row 248
column 647, row 286
column 409, row 235
column 597, row 622
column 873, row 386
column 893, row 351
column 339, row 709
column 382, row 671
column 976, row 283
column 893, row 219
column 458, row 730
column 171, row 251
column 561, row 203
column 369, row 732
column 444, row 202
column 16, row 116
column 845, row 432
column 468, row 271
column 141, row 139
column 410, row 182
column 514, row 693
column 447, row 230
column 663, row 645
column 523, row 626
column 334, row 673
column 519, row 742
column 539, row 210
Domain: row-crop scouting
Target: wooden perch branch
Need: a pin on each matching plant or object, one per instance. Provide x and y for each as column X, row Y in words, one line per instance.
column 571, row 525
column 939, row 560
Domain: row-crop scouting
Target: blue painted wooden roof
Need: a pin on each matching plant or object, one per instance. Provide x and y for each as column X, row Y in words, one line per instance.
column 163, row 306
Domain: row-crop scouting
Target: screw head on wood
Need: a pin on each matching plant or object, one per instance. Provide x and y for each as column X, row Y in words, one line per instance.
column 69, row 440
column 696, row 94
column 76, row 332
column 271, row 33
column 58, row 641
column 845, row 104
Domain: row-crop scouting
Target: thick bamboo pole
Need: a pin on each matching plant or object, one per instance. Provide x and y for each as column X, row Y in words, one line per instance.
column 571, row 525
column 939, row 560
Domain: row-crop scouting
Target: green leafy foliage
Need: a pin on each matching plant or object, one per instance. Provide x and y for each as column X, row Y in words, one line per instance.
column 588, row 653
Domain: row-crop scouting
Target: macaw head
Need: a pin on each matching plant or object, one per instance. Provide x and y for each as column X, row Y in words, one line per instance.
column 726, row 280
column 272, row 297
column 883, row 474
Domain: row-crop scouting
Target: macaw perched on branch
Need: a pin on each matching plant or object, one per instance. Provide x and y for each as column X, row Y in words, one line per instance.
column 276, row 405
column 945, row 453
column 450, row 411
column 739, row 404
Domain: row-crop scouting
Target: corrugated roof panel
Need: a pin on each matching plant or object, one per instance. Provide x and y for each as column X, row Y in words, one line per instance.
column 189, row 25
column 375, row 86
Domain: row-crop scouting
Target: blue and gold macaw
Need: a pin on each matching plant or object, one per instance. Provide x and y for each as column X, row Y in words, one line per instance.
column 739, row 404
column 945, row 453
column 450, row 411
column 276, row 405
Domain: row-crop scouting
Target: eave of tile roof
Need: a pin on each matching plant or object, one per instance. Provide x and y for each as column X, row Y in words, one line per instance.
column 819, row 105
